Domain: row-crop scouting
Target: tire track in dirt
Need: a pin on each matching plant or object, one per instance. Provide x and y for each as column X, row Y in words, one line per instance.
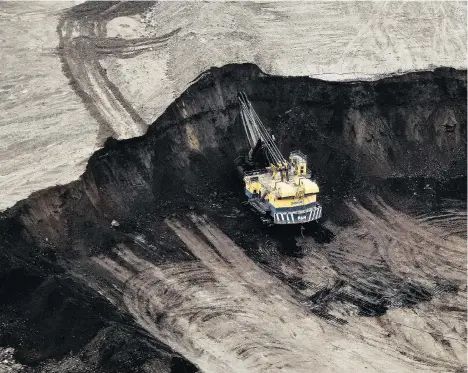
column 125, row 48
column 451, row 219
column 416, row 270
column 424, row 253
column 83, row 42
column 225, row 314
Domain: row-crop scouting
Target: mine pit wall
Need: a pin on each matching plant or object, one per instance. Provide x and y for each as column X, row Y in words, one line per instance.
column 355, row 134
column 412, row 125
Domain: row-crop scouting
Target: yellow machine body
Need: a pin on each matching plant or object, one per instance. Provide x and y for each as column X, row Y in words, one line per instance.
column 286, row 193
column 284, row 190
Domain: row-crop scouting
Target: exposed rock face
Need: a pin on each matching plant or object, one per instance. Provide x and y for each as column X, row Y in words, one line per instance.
column 404, row 126
column 356, row 134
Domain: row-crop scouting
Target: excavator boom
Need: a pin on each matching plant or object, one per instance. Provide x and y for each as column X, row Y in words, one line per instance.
column 256, row 131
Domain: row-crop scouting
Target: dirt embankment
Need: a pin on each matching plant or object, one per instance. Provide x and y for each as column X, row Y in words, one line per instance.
column 391, row 245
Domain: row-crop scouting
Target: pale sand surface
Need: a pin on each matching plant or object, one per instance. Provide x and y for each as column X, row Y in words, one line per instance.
column 46, row 133
column 326, row 40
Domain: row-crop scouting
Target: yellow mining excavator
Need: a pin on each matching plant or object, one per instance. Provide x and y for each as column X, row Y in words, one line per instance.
column 282, row 191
